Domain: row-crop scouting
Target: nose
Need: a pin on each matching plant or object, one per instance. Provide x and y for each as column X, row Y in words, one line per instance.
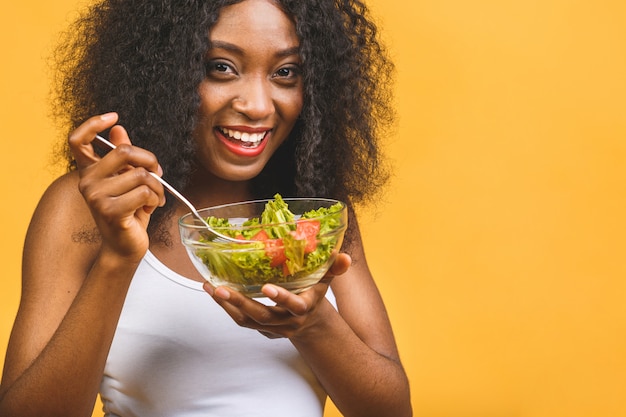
column 254, row 99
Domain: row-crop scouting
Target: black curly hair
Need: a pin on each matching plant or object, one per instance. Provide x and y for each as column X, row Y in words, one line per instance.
column 145, row 59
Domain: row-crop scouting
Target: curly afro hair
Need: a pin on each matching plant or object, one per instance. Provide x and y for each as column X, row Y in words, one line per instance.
column 144, row 59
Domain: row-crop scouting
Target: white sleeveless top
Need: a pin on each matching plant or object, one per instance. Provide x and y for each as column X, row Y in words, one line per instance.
column 177, row 353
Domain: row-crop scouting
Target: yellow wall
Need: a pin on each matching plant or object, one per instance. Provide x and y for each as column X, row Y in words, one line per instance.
column 501, row 246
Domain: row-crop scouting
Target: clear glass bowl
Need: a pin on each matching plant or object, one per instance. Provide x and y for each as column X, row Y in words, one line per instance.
column 250, row 257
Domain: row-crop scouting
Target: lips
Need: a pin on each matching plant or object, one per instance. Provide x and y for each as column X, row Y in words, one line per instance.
column 248, row 142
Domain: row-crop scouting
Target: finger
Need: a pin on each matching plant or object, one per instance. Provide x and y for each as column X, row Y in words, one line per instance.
column 229, row 300
column 80, row 139
column 144, row 188
column 247, row 312
column 113, row 207
column 123, row 158
column 271, row 335
column 137, row 164
column 119, row 137
column 340, row 266
column 297, row 304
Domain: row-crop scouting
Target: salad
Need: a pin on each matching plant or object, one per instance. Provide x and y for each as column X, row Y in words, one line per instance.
column 276, row 247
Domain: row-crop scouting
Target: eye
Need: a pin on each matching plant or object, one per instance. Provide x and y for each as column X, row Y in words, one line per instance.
column 288, row 74
column 219, row 69
column 284, row 72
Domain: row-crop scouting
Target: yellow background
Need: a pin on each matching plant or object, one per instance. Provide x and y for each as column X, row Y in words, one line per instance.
column 500, row 245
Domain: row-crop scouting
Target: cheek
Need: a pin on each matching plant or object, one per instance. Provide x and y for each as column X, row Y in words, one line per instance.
column 291, row 105
column 212, row 99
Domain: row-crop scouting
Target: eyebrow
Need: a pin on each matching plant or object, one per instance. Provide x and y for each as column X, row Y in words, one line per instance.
column 295, row 50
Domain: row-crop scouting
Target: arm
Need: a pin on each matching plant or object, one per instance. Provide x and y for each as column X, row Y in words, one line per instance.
column 67, row 315
column 73, row 291
column 352, row 351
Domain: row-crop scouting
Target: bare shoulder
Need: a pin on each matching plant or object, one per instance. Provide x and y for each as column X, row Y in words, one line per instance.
column 61, row 234
column 62, row 210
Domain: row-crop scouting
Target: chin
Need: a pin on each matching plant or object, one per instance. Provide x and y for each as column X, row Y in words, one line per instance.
column 237, row 173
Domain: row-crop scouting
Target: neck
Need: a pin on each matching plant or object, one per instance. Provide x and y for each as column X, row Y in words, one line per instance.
column 206, row 190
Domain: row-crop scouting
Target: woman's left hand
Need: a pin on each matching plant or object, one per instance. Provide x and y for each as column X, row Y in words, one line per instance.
column 291, row 314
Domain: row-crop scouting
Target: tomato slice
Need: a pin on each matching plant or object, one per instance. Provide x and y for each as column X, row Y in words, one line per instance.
column 274, row 248
column 285, row 270
column 307, row 229
column 260, row 235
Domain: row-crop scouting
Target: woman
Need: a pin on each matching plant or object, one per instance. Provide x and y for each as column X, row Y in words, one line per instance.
column 229, row 101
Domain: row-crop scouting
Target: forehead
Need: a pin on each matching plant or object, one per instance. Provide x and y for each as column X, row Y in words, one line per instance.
column 255, row 22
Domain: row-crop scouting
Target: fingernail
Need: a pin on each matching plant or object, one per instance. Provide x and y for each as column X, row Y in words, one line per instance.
column 208, row 288
column 108, row 116
column 222, row 293
column 270, row 291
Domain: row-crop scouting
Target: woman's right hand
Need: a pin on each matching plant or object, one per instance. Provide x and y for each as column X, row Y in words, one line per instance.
column 118, row 188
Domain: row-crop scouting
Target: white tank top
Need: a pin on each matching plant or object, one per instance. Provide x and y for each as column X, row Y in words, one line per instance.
column 177, row 353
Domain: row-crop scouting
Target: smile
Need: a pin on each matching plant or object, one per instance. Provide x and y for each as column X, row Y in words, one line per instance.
column 249, row 140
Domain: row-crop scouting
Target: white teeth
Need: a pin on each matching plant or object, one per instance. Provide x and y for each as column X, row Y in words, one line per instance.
column 251, row 138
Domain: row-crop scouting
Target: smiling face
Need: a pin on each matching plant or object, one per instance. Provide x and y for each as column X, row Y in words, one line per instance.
column 252, row 94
